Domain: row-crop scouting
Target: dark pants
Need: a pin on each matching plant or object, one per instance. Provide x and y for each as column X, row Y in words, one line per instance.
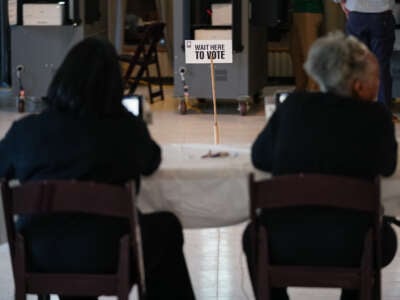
column 376, row 30
column 167, row 276
column 92, row 246
column 336, row 241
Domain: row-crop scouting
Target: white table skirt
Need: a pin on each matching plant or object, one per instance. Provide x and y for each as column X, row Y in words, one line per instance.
column 213, row 192
column 202, row 192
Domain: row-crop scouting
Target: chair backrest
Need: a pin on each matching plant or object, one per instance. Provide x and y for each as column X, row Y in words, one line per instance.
column 57, row 196
column 71, row 196
column 314, row 190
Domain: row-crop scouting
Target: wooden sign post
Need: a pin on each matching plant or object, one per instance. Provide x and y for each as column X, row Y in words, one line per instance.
column 216, row 127
column 210, row 52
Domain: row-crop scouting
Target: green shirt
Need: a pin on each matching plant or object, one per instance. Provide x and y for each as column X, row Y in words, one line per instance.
column 307, row 6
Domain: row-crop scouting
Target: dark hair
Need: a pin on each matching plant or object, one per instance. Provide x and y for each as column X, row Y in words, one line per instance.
column 89, row 81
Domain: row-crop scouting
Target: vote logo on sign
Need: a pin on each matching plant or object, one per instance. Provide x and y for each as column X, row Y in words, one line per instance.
column 203, row 51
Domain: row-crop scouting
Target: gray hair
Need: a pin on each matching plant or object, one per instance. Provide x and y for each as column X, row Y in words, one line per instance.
column 335, row 60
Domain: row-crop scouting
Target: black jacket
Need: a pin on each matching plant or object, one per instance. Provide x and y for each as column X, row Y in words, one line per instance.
column 54, row 145
column 324, row 133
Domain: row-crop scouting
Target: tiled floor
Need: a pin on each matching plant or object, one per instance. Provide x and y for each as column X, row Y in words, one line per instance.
column 216, row 263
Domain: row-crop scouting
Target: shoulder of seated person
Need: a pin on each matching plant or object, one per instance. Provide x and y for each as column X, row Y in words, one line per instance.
column 373, row 108
column 331, row 98
column 304, row 96
column 351, row 100
column 28, row 119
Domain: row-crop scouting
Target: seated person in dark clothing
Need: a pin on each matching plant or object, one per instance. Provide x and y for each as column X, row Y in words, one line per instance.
column 86, row 134
column 339, row 131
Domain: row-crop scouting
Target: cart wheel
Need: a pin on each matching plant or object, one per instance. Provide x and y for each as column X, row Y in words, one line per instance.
column 242, row 108
column 182, row 107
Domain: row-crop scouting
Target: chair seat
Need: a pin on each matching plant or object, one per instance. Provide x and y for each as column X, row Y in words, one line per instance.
column 327, row 277
column 72, row 284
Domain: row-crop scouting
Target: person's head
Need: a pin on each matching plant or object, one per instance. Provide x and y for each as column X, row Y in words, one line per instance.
column 89, row 81
column 343, row 65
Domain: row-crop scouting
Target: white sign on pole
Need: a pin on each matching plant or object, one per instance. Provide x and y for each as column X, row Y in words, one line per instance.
column 201, row 51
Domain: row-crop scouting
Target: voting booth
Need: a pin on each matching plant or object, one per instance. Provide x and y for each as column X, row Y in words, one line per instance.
column 235, row 20
column 42, row 32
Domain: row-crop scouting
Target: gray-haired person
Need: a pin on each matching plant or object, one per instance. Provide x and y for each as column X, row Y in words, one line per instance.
column 344, row 66
column 339, row 131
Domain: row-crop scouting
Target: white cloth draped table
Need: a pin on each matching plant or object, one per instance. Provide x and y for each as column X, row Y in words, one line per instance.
column 213, row 192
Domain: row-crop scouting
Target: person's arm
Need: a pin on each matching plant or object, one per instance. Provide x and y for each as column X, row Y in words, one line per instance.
column 263, row 147
column 6, row 151
column 149, row 153
column 343, row 5
column 344, row 8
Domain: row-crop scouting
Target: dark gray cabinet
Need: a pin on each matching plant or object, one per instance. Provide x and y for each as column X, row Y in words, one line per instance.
column 248, row 73
column 41, row 49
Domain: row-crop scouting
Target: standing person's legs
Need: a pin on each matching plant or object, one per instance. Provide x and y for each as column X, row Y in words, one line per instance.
column 382, row 41
column 377, row 32
column 167, row 276
column 296, row 52
column 310, row 32
column 305, row 30
column 356, row 25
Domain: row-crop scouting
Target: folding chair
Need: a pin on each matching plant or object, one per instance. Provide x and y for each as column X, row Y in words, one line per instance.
column 58, row 196
column 144, row 56
column 323, row 191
